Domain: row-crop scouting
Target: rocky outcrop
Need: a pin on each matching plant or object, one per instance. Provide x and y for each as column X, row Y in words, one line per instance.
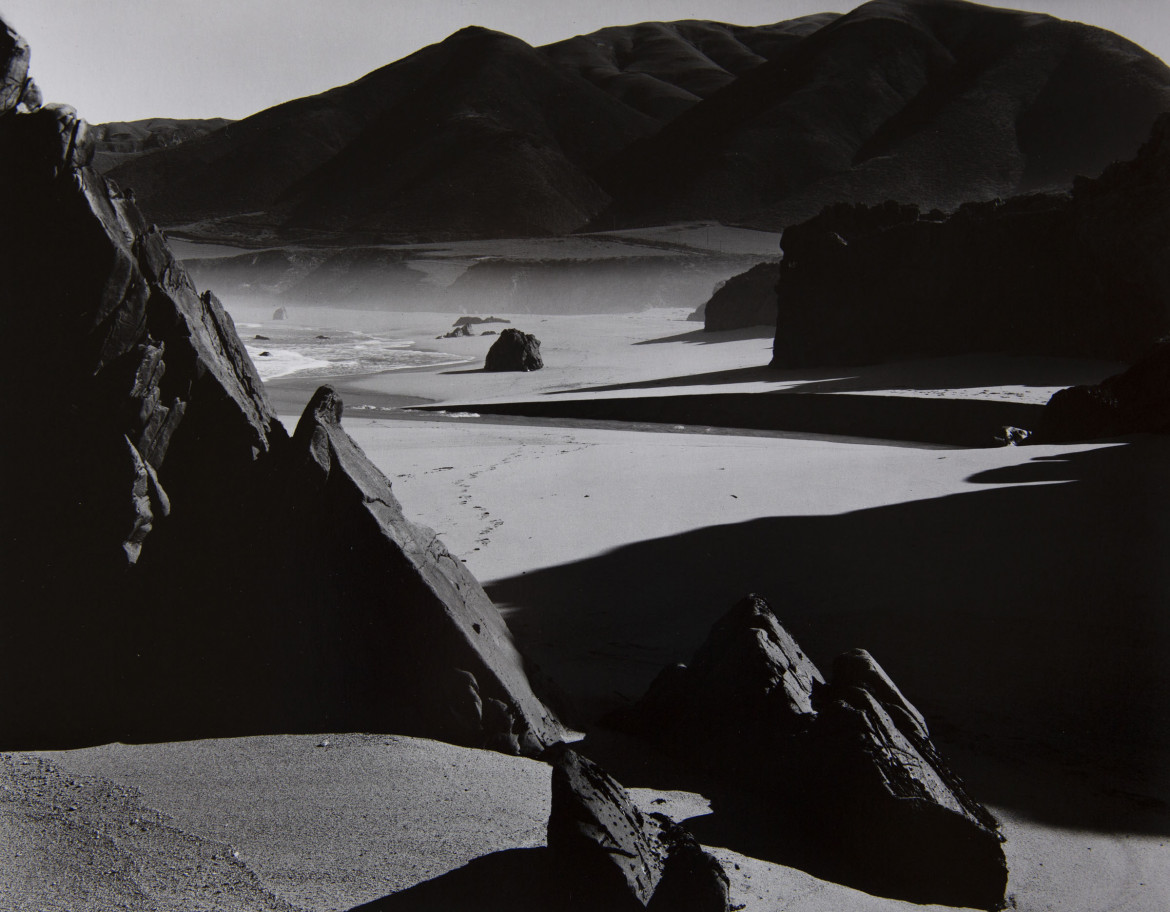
column 473, row 321
column 748, row 299
column 611, row 856
column 849, row 767
column 459, row 331
column 514, row 351
column 1135, row 401
column 1080, row 274
column 178, row 566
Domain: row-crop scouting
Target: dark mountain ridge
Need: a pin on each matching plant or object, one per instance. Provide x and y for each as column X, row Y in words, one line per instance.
column 935, row 102
column 119, row 141
column 479, row 135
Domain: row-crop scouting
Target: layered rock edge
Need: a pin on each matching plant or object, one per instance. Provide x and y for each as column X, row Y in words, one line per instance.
column 179, row 566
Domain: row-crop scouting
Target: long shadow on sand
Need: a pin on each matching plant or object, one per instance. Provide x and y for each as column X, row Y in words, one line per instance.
column 912, row 375
column 946, row 422
column 513, row 880
column 1029, row 622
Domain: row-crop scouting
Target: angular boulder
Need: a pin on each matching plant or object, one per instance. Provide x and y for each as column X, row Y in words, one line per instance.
column 747, row 682
column 514, row 351
column 845, row 773
column 1135, row 401
column 177, row 566
column 611, row 856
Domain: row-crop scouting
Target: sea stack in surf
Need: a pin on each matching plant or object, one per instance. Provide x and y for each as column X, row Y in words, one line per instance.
column 179, row 567
column 856, row 790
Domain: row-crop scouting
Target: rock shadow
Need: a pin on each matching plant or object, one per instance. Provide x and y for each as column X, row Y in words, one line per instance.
column 512, row 880
column 1028, row 622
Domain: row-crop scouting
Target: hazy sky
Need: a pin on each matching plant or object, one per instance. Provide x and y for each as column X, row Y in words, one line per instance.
column 127, row 59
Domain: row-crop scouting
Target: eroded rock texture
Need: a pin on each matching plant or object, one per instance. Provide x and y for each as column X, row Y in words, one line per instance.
column 514, row 351
column 611, row 856
column 1132, row 402
column 1079, row 274
column 844, row 775
column 175, row 565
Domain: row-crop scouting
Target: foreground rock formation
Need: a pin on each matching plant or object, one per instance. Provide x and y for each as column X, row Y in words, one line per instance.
column 178, row 566
column 1081, row 274
column 857, row 791
column 514, row 351
column 1133, row 402
column 610, row 856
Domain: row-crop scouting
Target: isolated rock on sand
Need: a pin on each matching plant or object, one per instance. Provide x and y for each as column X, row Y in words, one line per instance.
column 848, row 770
column 610, row 856
column 514, row 351
column 1133, row 402
column 141, row 598
column 747, row 299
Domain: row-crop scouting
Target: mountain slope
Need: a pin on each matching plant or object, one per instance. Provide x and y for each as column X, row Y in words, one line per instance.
column 120, row 141
column 665, row 68
column 478, row 135
column 931, row 101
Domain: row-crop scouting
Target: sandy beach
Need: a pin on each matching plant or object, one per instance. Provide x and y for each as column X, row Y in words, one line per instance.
column 1017, row 595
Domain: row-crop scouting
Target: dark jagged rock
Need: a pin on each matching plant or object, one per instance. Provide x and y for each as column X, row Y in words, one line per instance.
column 748, row 299
column 1082, row 274
column 514, row 351
column 462, row 329
column 157, row 491
column 611, row 856
column 848, row 767
column 748, row 681
column 1135, row 401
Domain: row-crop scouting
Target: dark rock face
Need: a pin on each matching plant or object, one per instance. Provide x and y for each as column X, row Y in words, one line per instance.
column 178, row 566
column 514, row 351
column 280, row 314
column 613, row 857
column 748, row 299
column 1084, row 274
column 1133, row 402
column 848, row 767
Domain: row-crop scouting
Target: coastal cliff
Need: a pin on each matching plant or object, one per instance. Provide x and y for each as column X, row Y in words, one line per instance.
column 1080, row 274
